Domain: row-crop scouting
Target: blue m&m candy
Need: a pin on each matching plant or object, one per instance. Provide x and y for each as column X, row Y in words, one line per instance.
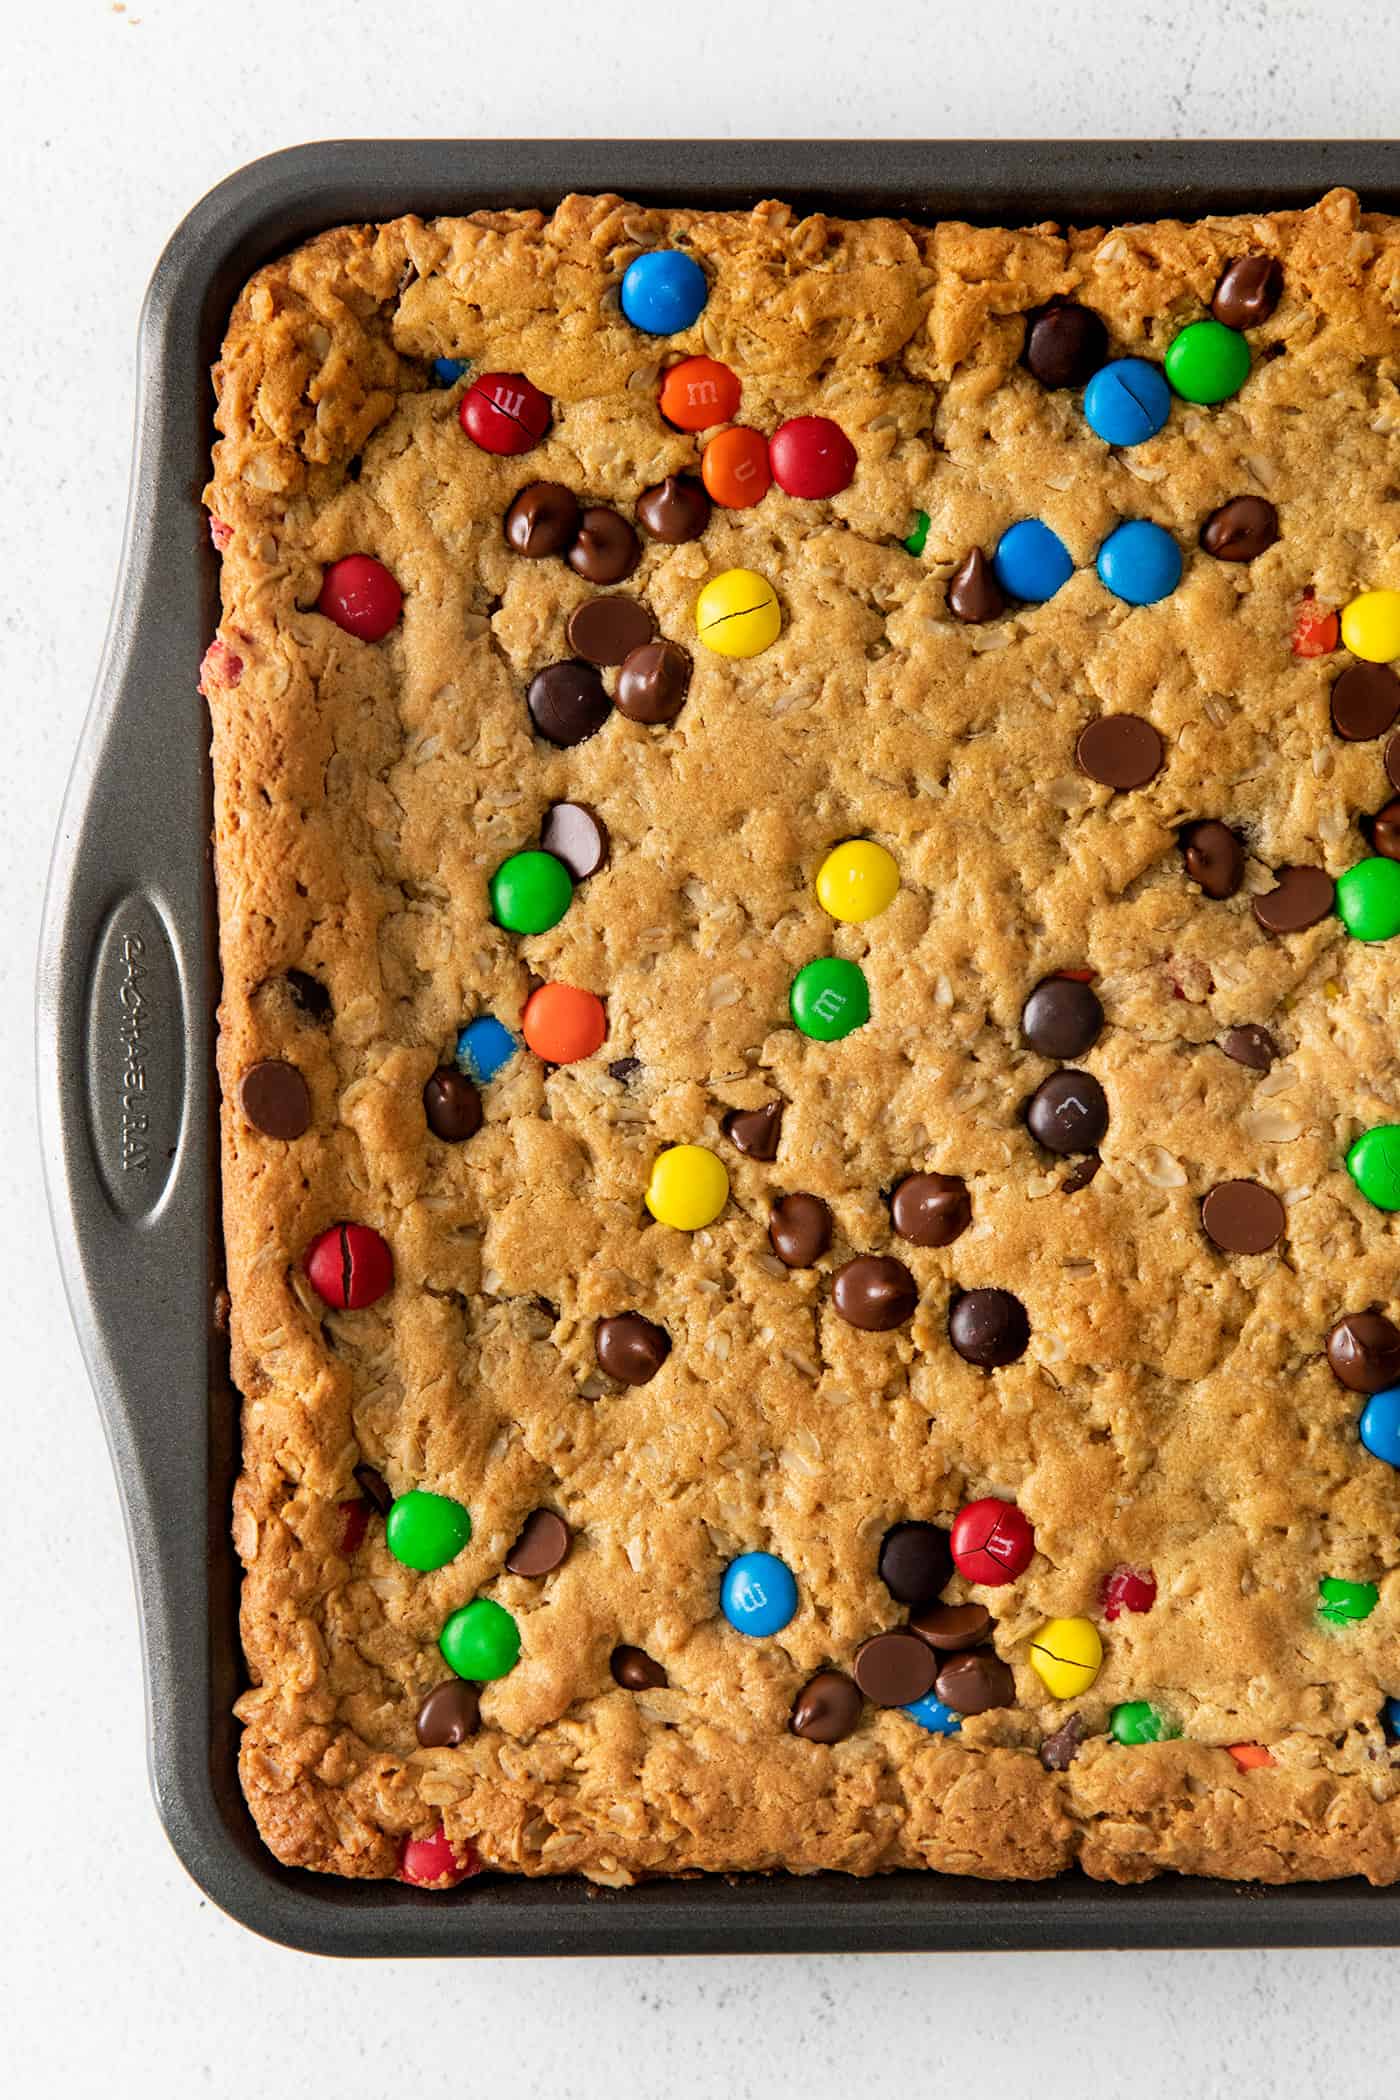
column 758, row 1594
column 484, row 1048
column 664, row 291
column 1127, row 402
column 1390, row 1720
column 1380, row 1425
column 1031, row 561
column 932, row 1714
column 448, row 370
column 1139, row 562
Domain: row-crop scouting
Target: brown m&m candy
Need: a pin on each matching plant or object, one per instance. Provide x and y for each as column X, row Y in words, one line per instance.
column 755, row 1131
column 605, row 630
column 1242, row 1217
column 630, row 1348
column 276, row 1099
column 605, row 548
column 653, row 682
column 1365, row 701
column 568, row 702
column 1249, row 289
column 635, row 1670
column 895, row 1669
column 450, row 1713
column 1214, row 857
column 976, row 1682
column 1385, row 830
column 1241, row 529
column 799, row 1227
column 1251, row 1045
column 1364, row 1352
column 452, row 1105
column 542, row 1546
column 577, row 835
column 1068, row 1112
column 1065, row 344
column 950, row 1628
column 675, row 510
column 988, row 1328
column 1301, row 897
column 916, row 1562
column 973, row 591
column 1062, row 1017
column 931, row 1210
column 826, row 1709
column 1081, row 1175
column 542, row 520
column 1119, row 751
column 875, row 1293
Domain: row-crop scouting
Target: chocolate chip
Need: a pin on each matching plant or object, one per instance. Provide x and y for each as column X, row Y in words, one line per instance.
column 1241, row 529
column 894, row 1669
column 755, row 1131
column 1364, row 1352
column 930, row 1210
column 952, row 1627
column 635, row 1671
column 310, row 995
column 605, row 548
column 1120, row 751
column 1385, row 830
column 542, row 520
column 677, row 509
column 1249, row 289
column 577, row 835
column 1068, row 1112
column 452, row 1105
column 276, row 1099
column 826, row 1709
column 568, row 702
column 988, row 1327
column 1062, row 1018
column 916, row 1562
column 542, row 1546
column 1365, row 701
column 622, row 1068
column 973, row 591
column 450, row 1713
column 375, row 1488
column 652, row 684
column 1080, row 1176
column 1392, row 762
column 1065, row 344
column 875, row 1293
column 1251, row 1045
column 975, row 1683
column 630, row 1348
column 1214, row 857
column 1058, row 1751
column 799, row 1227
column 1303, row 896
column 1243, row 1218
column 605, row 630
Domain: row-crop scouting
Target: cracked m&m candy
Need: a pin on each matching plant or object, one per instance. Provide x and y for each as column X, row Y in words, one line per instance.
column 829, row 998
column 758, row 1594
column 1032, row 562
column 1368, row 899
column 698, row 393
column 688, row 1188
column 737, row 613
column 1371, row 626
column 426, row 1531
column 1344, row 1603
column 503, row 412
column 859, row 879
column 992, row 1542
column 530, row 892
column 1067, row 1656
column 1380, row 1426
column 480, row 1641
column 664, row 291
column 812, row 457
column 350, row 1266
column 1127, row 402
column 360, row 595
column 1139, row 562
column 1373, row 1163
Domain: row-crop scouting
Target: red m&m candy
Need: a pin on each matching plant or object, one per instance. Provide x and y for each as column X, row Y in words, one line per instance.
column 502, row 412
column 434, row 1863
column 812, row 456
column 1128, row 1589
column 354, row 1523
column 1317, row 629
column 350, row 1266
column 992, row 1542
column 360, row 595
column 698, row 393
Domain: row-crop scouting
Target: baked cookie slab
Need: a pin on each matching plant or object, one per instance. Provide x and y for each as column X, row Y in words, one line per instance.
column 807, row 818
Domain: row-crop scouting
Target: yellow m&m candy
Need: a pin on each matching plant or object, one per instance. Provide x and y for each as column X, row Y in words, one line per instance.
column 857, row 880
column 688, row 1188
column 1067, row 1655
column 1371, row 626
column 737, row 613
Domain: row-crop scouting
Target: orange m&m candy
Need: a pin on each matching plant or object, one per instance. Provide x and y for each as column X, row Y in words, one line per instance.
column 734, row 467
column 1250, row 1757
column 561, row 1023
column 698, row 393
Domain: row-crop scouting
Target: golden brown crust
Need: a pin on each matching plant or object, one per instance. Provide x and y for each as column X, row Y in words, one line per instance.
column 1173, row 1409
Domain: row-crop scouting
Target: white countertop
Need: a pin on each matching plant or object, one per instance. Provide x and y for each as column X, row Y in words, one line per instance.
column 121, row 1979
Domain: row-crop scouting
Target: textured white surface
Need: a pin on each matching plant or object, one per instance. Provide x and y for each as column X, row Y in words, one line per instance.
column 119, row 1978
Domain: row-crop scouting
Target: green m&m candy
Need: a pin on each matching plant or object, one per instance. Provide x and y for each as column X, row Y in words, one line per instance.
column 426, row 1531
column 1207, row 362
column 1373, row 1163
column 1138, row 1721
column 1343, row 1603
column 530, row 892
column 481, row 1641
column 1368, row 899
column 829, row 999
column 918, row 535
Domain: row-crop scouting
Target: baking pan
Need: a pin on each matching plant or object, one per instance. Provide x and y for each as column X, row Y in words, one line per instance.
column 127, row 992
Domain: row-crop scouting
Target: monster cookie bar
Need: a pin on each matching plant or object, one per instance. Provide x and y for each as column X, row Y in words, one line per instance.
column 808, row 827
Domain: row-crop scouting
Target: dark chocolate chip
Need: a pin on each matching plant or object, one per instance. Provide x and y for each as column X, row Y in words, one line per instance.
column 310, row 995
column 450, row 1713
column 755, row 1131
column 605, row 548
column 1068, row 1112
column 931, row 1210
column 1058, row 1751
column 1365, row 701
column 952, row 1627
column 826, row 1709
column 577, row 835
column 988, row 1327
column 875, row 1293
column 1062, row 1018
column 894, row 1669
column 1303, row 896
column 630, row 1348
column 1392, row 763
column 973, row 591
column 1385, row 830
column 1065, row 344
column 605, row 630
column 542, row 520
column 1249, row 289
column 1214, row 857
column 1081, row 1175
column 622, row 1068
column 635, row 1671
column 375, row 1488
column 276, row 1099
column 1241, row 529
column 916, row 1562
column 1251, row 1045
column 677, row 509
column 1120, row 751
column 652, row 684
column 542, row 1546
column 452, row 1105
column 1364, row 1352
column 974, row 1683
column 1243, row 1218
column 799, row 1227
column 568, row 702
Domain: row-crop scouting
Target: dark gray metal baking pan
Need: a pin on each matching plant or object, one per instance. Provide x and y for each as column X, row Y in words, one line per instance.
column 127, row 992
